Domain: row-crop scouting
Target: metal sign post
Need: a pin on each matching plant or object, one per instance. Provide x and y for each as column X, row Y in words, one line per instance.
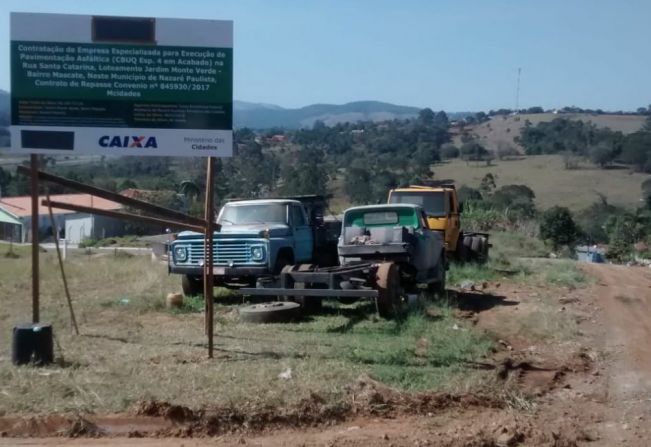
column 140, row 86
column 208, row 273
column 35, row 252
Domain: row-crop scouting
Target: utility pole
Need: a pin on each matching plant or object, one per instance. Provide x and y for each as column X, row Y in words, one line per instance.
column 517, row 92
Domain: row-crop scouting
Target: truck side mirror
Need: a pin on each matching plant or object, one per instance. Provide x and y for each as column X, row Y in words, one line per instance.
column 460, row 207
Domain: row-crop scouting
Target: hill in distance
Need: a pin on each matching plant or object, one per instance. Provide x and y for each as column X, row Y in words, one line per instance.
column 264, row 116
column 501, row 129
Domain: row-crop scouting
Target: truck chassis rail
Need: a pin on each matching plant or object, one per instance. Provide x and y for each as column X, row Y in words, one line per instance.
column 327, row 281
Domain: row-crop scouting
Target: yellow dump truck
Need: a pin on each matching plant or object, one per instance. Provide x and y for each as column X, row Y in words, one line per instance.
column 441, row 204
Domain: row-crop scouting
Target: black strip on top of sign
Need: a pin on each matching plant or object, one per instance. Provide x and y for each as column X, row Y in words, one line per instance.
column 47, row 139
column 124, row 29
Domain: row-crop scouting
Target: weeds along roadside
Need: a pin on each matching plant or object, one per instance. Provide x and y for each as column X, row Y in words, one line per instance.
column 132, row 348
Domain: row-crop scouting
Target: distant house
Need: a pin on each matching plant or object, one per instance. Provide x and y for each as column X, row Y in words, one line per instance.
column 16, row 218
column 278, row 138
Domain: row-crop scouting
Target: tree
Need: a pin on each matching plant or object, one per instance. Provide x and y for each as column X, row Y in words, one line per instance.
column 426, row 116
column 487, row 184
column 592, row 220
column 441, row 120
column 602, row 154
column 306, row 174
column 190, row 190
column 449, row 151
column 473, row 151
column 647, row 122
column 519, row 199
column 5, row 180
column 624, row 229
column 558, row 227
column 127, row 184
column 646, row 192
column 357, row 185
column 466, row 193
column 636, row 149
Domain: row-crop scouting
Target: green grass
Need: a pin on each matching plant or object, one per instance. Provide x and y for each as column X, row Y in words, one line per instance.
column 419, row 352
column 513, row 244
column 133, row 348
column 565, row 273
column 122, row 241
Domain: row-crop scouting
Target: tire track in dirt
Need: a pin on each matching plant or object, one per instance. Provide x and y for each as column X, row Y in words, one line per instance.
column 624, row 297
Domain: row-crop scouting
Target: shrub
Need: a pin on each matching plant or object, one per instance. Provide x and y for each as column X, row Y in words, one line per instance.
column 449, row 151
column 558, row 227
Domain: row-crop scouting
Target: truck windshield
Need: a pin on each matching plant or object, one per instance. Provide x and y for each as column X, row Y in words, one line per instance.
column 433, row 202
column 253, row 214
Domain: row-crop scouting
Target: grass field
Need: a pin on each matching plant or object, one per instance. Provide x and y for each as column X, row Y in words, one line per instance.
column 552, row 184
column 132, row 348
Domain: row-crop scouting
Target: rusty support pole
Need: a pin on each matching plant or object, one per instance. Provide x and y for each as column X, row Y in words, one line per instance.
column 208, row 273
column 55, row 229
column 33, row 159
column 120, row 215
column 115, row 197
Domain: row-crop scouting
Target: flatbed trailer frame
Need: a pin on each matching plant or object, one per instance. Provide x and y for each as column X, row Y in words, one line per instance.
column 328, row 279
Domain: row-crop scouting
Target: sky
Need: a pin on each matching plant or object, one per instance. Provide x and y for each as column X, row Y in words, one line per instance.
column 453, row 55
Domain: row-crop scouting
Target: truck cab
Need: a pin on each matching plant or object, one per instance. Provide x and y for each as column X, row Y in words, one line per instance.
column 397, row 233
column 440, row 204
column 256, row 238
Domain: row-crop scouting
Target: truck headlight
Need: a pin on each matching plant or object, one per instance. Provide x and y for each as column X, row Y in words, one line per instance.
column 257, row 253
column 181, row 254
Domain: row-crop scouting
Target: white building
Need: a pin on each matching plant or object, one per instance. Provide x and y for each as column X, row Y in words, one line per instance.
column 16, row 218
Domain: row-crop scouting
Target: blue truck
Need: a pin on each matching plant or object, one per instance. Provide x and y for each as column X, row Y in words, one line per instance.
column 256, row 240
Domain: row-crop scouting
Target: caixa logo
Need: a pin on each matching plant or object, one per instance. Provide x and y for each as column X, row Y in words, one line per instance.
column 127, row 141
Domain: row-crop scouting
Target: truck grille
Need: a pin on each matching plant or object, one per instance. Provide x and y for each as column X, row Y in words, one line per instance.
column 225, row 252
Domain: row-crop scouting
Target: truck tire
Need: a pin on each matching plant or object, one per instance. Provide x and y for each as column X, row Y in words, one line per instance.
column 479, row 249
column 273, row 312
column 309, row 304
column 467, row 248
column 438, row 288
column 284, row 258
column 192, row 285
column 388, row 286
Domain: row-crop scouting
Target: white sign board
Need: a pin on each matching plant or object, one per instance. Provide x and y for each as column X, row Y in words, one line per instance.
column 121, row 85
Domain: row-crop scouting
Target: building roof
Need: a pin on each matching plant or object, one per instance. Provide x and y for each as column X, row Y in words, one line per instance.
column 22, row 206
column 8, row 218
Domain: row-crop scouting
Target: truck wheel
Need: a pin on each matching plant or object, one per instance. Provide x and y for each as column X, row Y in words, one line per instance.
column 192, row 285
column 479, row 249
column 309, row 304
column 388, row 287
column 467, row 249
column 438, row 288
column 274, row 312
column 283, row 260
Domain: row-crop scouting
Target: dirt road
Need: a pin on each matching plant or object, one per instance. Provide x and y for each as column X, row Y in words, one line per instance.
column 623, row 295
column 594, row 389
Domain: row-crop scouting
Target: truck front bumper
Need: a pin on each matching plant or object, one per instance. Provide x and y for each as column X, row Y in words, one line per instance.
column 222, row 271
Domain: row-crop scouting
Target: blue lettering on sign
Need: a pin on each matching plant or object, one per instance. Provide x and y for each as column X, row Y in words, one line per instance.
column 127, row 141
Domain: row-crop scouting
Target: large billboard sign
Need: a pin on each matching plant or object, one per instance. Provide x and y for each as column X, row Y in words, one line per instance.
column 121, row 85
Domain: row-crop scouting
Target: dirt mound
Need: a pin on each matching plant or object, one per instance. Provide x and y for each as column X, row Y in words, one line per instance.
column 251, row 416
column 500, row 430
column 365, row 397
column 368, row 396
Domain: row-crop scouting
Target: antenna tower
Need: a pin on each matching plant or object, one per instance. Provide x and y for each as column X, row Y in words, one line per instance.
column 517, row 93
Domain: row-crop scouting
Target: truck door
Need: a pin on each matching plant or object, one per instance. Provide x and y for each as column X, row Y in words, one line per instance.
column 454, row 223
column 303, row 237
